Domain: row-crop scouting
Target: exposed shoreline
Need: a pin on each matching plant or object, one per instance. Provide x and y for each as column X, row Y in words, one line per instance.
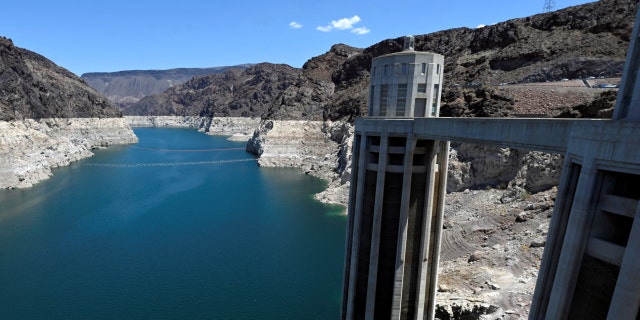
column 30, row 148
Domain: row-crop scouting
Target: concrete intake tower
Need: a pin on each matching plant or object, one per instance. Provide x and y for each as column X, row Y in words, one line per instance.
column 398, row 187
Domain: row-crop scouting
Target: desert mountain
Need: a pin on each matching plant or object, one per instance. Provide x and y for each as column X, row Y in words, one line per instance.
column 127, row 87
column 576, row 42
column 234, row 92
column 270, row 90
column 31, row 86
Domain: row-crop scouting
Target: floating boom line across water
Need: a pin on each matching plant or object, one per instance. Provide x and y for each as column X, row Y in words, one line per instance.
column 187, row 150
column 163, row 164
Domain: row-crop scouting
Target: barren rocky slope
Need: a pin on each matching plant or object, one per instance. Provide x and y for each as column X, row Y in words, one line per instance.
column 266, row 90
column 577, row 42
column 33, row 87
column 125, row 88
column 48, row 117
column 235, row 92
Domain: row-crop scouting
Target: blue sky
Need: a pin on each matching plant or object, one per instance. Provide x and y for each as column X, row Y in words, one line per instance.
column 91, row 36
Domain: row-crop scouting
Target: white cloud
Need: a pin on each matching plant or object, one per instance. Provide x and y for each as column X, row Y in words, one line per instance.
column 324, row 29
column 344, row 24
column 295, row 25
column 361, row 30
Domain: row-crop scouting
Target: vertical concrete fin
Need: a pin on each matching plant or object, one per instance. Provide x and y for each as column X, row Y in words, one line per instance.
column 626, row 296
column 440, row 193
column 402, row 227
column 377, row 219
column 627, row 106
column 555, row 237
column 425, row 245
column 574, row 244
column 357, row 195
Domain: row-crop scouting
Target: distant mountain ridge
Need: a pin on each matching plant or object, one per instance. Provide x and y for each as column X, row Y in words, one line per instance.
column 127, row 87
column 258, row 91
column 232, row 93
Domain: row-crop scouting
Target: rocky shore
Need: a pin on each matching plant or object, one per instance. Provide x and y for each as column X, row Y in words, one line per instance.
column 30, row 148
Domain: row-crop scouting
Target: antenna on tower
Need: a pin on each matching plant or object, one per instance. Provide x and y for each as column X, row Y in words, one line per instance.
column 549, row 5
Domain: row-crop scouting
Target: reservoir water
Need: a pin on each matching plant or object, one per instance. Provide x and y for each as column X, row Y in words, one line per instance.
column 170, row 228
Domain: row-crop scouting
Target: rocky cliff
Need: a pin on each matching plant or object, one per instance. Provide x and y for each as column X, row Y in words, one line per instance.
column 48, row 118
column 33, row 87
column 125, row 88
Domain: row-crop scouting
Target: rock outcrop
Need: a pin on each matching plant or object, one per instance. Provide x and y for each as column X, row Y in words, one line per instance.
column 277, row 144
column 474, row 166
column 30, row 148
column 324, row 153
column 237, row 128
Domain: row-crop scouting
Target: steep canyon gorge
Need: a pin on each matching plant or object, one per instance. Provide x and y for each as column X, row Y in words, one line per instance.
column 499, row 200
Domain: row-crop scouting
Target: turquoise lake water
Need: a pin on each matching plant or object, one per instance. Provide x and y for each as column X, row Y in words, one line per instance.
column 110, row 238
